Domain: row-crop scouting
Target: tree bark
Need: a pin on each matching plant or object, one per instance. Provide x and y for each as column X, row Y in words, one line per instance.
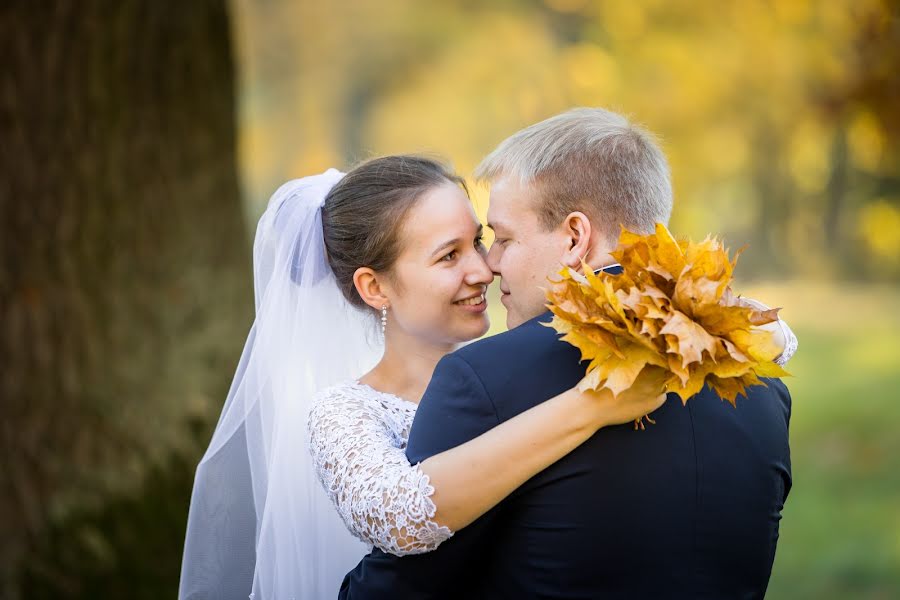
column 124, row 274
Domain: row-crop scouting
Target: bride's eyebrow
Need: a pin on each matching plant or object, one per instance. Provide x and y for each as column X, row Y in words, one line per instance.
column 455, row 241
column 444, row 246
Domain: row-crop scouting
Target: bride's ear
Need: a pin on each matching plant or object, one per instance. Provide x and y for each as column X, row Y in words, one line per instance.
column 369, row 288
column 577, row 229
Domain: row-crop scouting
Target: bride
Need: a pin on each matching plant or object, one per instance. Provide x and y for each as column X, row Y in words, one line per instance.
column 363, row 282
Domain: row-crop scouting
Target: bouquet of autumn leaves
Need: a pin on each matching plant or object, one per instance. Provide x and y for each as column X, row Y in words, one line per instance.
column 669, row 321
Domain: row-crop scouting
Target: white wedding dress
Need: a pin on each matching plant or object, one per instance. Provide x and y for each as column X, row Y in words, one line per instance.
column 358, row 441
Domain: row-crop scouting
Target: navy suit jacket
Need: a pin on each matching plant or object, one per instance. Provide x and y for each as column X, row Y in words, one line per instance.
column 688, row 508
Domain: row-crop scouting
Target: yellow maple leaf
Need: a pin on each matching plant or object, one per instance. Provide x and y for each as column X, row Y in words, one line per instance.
column 670, row 318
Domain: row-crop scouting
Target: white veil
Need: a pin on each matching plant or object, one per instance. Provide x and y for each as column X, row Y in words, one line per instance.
column 260, row 522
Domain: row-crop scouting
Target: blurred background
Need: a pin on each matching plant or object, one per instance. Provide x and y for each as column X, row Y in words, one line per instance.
column 141, row 141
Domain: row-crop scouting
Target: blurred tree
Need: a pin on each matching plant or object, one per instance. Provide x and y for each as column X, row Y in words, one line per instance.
column 124, row 282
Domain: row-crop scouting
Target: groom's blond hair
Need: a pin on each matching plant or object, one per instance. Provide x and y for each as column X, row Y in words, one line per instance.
column 592, row 161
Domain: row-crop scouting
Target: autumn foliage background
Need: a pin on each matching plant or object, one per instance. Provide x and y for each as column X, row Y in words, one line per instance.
column 779, row 117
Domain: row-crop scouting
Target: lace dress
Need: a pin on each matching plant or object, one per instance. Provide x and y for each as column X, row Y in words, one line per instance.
column 358, row 443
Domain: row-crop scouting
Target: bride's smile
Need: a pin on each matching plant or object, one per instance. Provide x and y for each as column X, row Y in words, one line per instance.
column 475, row 303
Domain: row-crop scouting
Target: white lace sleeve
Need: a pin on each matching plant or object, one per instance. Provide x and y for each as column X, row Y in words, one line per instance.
column 382, row 499
column 790, row 340
column 790, row 343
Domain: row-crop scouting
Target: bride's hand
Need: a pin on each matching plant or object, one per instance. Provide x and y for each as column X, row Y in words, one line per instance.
column 631, row 404
column 775, row 327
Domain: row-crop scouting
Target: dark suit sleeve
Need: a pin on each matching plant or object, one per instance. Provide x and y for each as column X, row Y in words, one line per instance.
column 455, row 409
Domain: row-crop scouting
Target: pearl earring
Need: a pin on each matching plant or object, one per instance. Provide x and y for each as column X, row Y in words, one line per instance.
column 383, row 318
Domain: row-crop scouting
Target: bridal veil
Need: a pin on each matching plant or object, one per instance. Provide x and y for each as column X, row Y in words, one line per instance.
column 260, row 524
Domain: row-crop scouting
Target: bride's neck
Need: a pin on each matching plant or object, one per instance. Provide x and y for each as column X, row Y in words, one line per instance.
column 406, row 367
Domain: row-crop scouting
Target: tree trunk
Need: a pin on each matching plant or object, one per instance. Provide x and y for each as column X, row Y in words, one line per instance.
column 124, row 273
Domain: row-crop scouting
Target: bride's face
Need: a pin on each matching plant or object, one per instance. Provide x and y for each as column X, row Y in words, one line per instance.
column 438, row 284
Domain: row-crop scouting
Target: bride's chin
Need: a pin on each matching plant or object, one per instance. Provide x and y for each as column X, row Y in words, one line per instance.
column 472, row 330
column 483, row 328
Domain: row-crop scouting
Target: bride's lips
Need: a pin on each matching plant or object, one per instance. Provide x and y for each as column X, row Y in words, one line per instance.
column 473, row 304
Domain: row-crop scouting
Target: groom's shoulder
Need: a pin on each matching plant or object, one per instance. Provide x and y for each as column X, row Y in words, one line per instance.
column 531, row 337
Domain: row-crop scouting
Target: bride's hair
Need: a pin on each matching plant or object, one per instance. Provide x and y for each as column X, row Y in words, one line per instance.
column 364, row 213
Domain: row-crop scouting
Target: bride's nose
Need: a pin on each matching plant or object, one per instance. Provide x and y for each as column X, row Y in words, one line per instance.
column 478, row 272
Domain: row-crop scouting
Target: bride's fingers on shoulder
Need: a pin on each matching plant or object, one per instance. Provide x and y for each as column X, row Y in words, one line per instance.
column 648, row 404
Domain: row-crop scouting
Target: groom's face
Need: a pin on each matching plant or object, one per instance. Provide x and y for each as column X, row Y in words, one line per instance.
column 523, row 254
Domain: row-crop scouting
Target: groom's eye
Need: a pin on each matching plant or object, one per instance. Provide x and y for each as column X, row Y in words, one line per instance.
column 449, row 256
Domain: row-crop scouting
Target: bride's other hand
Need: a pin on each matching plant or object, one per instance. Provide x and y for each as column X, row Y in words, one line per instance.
column 776, row 328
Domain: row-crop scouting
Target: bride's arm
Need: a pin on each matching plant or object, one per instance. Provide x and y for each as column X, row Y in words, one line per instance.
column 410, row 509
column 406, row 509
column 472, row 478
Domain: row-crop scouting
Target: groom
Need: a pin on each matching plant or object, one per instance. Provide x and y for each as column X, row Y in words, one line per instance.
column 688, row 508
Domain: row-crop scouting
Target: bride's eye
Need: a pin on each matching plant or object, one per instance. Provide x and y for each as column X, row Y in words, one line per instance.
column 479, row 242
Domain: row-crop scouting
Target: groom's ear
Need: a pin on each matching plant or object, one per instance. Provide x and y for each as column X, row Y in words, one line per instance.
column 577, row 231
column 369, row 288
